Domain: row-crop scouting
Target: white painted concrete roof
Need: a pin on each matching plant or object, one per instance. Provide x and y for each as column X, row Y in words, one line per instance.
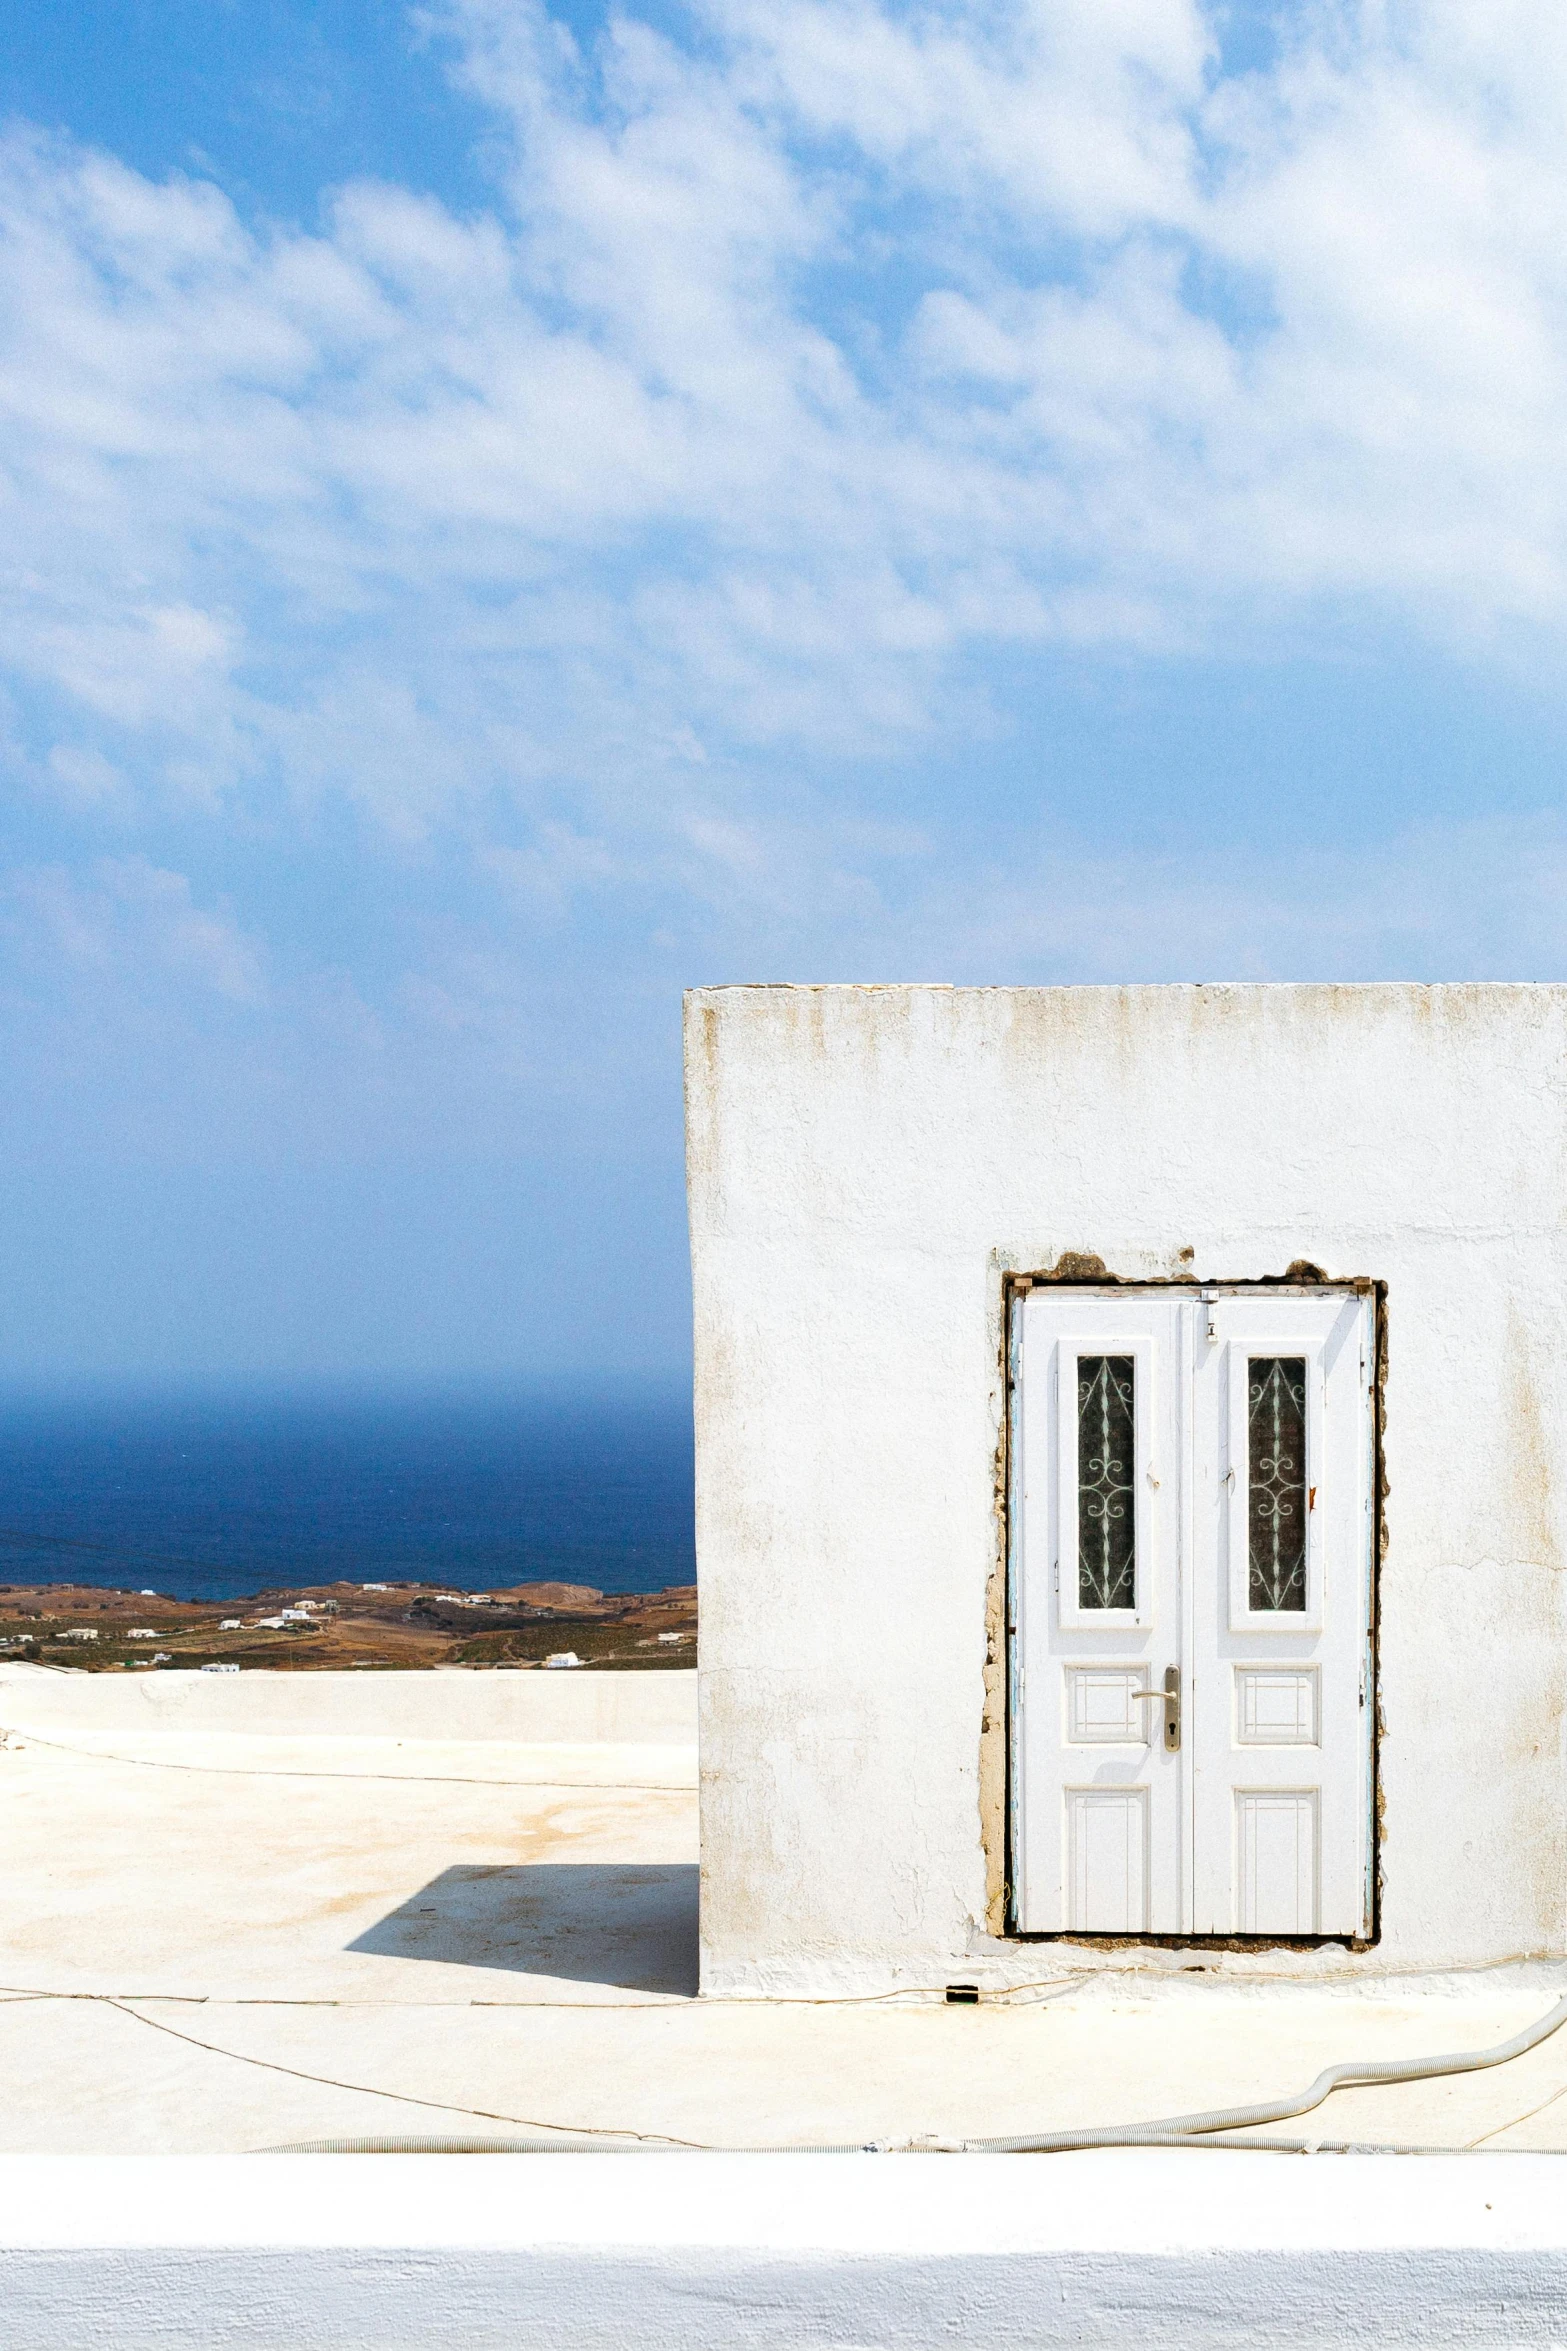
column 260, row 1909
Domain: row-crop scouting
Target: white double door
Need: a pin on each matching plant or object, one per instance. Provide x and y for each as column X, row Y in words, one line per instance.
column 1192, row 1491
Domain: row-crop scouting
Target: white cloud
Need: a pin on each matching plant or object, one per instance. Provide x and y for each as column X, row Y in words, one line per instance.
column 1075, row 115
column 790, row 378
column 561, row 862
column 84, row 776
column 1485, row 898
column 132, row 923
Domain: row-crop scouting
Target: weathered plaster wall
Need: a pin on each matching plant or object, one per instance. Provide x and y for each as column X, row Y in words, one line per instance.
column 865, row 1164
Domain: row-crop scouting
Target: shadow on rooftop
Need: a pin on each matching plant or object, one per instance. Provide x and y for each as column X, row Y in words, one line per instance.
column 632, row 1924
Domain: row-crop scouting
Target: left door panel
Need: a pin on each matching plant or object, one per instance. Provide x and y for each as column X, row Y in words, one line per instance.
column 1097, row 1468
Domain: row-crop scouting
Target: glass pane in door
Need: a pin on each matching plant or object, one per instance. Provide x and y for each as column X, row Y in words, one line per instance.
column 1276, row 1482
column 1106, row 1516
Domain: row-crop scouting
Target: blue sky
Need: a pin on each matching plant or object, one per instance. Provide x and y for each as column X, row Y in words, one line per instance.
column 505, row 515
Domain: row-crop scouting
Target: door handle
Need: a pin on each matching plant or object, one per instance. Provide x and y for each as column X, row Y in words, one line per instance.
column 1170, row 1699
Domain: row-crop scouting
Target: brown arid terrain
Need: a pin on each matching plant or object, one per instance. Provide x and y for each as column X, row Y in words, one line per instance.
column 400, row 1625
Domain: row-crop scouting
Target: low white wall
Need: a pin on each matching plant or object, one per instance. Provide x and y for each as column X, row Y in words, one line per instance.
column 1121, row 2251
column 654, row 1708
column 865, row 1164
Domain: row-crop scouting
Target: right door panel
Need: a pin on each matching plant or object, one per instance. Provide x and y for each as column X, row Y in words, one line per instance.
column 1279, row 1590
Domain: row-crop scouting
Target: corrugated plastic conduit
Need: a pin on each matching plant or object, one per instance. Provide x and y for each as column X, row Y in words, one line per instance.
column 1177, row 2130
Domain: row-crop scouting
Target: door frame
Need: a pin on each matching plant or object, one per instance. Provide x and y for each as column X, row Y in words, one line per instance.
column 1080, row 1271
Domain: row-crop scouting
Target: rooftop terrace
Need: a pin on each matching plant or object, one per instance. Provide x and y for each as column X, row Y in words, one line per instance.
column 245, row 1912
column 249, row 1911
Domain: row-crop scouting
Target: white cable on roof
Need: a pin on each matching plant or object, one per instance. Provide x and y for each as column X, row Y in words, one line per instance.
column 1189, row 2129
column 1177, row 2130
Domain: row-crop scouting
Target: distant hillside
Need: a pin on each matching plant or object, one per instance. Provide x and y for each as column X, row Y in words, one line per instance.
column 311, row 1626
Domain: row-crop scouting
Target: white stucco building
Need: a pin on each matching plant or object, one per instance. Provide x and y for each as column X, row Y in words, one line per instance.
column 1131, row 1472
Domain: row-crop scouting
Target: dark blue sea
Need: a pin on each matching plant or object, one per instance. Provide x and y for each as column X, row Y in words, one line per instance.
column 218, row 1497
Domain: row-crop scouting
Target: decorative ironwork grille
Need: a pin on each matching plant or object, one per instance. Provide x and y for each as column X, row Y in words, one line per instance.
column 1276, row 1482
column 1106, row 1516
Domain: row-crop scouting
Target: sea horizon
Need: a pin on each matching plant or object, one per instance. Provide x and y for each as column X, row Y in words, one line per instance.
column 222, row 1489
